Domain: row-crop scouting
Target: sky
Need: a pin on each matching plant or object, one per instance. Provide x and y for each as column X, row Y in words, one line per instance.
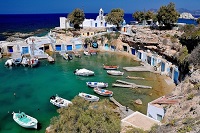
column 88, row 6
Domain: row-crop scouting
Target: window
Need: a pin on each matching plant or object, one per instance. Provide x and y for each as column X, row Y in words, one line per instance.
column 159, row 117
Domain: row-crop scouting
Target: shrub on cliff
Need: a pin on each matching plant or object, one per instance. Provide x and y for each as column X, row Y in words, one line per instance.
column 190, row 37
column 86, row 117
column 195, row 56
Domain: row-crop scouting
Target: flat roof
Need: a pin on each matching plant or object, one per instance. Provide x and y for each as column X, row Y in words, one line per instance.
column 138, row 120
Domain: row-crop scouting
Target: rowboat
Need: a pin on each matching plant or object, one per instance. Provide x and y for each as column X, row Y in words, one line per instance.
column 59, row 102
column 115, row 73
column 25, row 120
column 97, row 84
column 110, row 67
column 103, row 92
column 89, row 97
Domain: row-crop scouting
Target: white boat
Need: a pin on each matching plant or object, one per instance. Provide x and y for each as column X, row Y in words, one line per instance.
column 17, row 61
column 25, row 120
column 89, row 97
column 103, row 92
column 114, row 72
column 50, row 59
column 97, row 84
column 67, row 56
column 24, row 61
column 9, row 62
column 33, row 62
column 83, row 72
column 86, row 53
column 59, row 102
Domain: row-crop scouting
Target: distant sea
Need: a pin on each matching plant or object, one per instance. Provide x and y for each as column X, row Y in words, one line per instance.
column 24, row 23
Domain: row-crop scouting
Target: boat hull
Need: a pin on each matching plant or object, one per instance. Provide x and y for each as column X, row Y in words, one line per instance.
column 89, row 97
column 97, row 84
column 25, row 121
column 115, row 73
column 103, row 92
column 59, row 102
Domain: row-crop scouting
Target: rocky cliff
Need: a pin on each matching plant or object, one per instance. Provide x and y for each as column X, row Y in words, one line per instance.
column 185, row 115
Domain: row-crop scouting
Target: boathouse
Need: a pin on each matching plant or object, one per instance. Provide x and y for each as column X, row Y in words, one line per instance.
column 156, row 108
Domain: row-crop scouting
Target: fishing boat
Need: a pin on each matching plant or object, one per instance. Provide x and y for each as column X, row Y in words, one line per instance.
column 25, row 120
column 89, row 97
column 59, row 102
column 17, row 61
column 97, row 84
column 24, row 61
column 9, row 62
column 51, row 59
column 65, row 56
column 83, row 72
column 33, row 62
column 86, row 53
column 115, row 73
column 110, row 67
column 103, row 92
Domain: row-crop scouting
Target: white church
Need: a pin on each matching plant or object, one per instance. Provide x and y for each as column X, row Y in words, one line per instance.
column 99, row 22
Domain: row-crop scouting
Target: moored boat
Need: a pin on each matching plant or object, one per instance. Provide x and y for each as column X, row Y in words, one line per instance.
column 103, row 92
column 33, row 62
column 83, row 72
column 97, row 84
column 89, row 97
column 25, row 120
column 110, row 67
column 115, row 73
column 59, row 102
column 86, row 53
column 51, row 59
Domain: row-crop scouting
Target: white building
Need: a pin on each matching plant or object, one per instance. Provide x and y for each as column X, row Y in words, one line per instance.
column 99, row 22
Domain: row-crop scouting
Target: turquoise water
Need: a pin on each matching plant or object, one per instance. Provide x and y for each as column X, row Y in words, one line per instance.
column 34, row 86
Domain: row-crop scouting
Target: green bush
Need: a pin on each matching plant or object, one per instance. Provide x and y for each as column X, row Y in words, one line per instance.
column 190, row 96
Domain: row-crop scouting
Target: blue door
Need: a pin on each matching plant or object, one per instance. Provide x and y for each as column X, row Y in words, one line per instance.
column 162, row 67
column 25, row 50
column 106, row 47
column 133, row 51
column 78, row 46
column 10, row 48
column 69, row 47
column 176, row 74
column 58, row 47
column 95, row 24
column 113, row 47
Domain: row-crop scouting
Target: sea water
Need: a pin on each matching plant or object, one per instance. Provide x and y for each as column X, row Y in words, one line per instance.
column 29, row 89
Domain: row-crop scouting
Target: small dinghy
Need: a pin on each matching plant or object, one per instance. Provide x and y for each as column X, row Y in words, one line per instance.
column 59, row 102
column 25, row 120
column 51, row 59
column 97, row 84
column 89, row 97
column 115, row 73
column 110, row 67
column 103, row 92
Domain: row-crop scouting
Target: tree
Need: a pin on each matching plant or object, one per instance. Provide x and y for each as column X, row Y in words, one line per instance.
column 116, row 17
column 86, row 117
column 139, row 16
column 76, row 17
column 167, row 15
